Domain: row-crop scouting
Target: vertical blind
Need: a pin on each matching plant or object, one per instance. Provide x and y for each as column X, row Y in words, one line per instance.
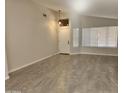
column 75, row 37
column 96, row 37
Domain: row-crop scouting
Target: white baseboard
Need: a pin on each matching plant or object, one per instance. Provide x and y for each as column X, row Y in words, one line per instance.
column 13, row 70
column 94, row 54
column 7, row 77
column 74, row 53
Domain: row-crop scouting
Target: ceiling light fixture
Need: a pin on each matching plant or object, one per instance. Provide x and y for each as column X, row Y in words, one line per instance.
column 80, row 5
column 59, row 22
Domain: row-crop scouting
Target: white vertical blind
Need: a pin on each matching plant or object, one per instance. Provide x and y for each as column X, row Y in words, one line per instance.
column 100, row 37
column 112, row 36
column 75, row 37
column 94, row 37
column 85, row 34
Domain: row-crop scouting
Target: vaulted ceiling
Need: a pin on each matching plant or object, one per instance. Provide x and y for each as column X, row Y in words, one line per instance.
column 99, row 8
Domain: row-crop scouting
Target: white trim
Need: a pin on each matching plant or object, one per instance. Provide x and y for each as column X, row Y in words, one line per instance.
column 7, row 77
column 13, row 70
column 74, row 53
column 94, row 54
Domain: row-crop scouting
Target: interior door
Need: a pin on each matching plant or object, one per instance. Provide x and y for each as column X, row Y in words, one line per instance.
column 64, row 46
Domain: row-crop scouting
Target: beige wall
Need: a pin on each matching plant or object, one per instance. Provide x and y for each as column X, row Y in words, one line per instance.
column 29, row 35
column 87, row 21
column 6, row 68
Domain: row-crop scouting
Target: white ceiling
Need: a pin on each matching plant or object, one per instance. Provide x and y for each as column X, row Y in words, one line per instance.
column 99, row 8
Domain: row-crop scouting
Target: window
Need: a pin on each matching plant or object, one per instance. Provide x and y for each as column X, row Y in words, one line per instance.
column 112, row 36
column 93, row 37
column 86, row 37
column 75, row 37
column 102, row 36
column 99, row 37
column 64, row 22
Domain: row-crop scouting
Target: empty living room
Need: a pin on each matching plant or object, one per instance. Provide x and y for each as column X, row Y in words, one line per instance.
column 61, row 46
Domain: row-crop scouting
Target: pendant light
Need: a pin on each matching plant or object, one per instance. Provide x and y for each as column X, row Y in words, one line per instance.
column 59, row 21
